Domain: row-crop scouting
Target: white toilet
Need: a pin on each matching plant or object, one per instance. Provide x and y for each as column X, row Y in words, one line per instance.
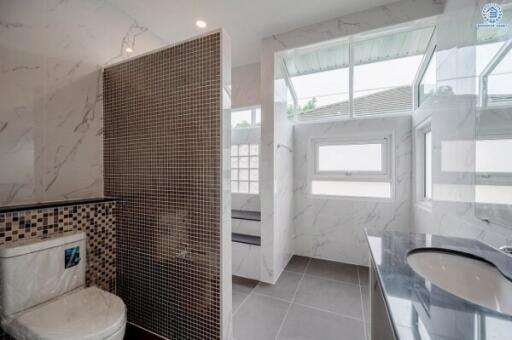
column 43, row 293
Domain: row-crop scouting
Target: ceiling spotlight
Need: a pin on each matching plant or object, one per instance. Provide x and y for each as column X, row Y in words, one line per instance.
column 129, row 49
column 201, row 23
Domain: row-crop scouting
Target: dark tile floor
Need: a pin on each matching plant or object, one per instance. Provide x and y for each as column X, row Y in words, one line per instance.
column 313, row 299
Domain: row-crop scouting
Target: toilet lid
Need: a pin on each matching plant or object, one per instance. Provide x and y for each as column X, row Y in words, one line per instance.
column 88, row 314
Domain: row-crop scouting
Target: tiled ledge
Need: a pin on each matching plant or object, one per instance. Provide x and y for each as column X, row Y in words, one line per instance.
column 247, row 239
column 53, row 204
column 246, row 215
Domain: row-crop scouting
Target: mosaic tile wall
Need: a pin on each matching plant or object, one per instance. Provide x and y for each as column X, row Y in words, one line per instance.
column 96, row 219
column 162, row 158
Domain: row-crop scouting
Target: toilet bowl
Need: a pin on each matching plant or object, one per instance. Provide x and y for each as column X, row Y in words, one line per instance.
column 43, row 294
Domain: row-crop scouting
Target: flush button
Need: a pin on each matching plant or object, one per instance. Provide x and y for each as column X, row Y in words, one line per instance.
column 71, row 257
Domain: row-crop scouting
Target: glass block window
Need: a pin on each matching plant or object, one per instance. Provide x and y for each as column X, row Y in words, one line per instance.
column 245, row 168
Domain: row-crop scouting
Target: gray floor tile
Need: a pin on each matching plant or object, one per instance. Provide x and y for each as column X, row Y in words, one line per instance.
column 297, row 264
column 364, row 276
column 330, row 295
column 238, row 298
column 243, row 285
column 333, row 270
column 305, row 323
column 259, row 318
column 284, row 288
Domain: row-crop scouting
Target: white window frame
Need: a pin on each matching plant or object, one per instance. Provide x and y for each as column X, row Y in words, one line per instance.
column 427, row 58
column 253, row 110
column 420, row 154
column 385, row 175
column 431, row 48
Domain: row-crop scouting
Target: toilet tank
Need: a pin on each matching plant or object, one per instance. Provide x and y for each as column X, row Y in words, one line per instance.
column 36, row 270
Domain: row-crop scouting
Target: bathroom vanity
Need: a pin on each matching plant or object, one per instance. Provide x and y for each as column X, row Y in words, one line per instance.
column 406, row 305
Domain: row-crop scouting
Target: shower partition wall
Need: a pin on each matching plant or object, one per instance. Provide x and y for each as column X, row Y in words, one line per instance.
column 163, row 155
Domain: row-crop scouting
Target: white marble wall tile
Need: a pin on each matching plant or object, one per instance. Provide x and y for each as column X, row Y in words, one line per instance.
column 334, row 228
column 246, row 260
column 246, row 86
column 51, row 99
column 226, row 249
column 455, row 126
column 276, row 195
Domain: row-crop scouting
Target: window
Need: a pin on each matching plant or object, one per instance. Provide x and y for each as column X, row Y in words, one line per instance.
column 494, row 169
column 363, row 75
column 428, row 165
column 352, row 168
column 427, row 85
column 245, row 168
column 423, row 164
column 246, row 118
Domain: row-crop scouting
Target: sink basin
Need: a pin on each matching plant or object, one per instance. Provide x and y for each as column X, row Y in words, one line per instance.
column 468, row 278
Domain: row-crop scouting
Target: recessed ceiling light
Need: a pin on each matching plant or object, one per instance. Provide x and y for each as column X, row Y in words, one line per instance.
column 129, row 49
column 201, row 23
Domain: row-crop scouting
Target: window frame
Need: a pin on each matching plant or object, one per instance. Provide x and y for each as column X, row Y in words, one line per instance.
column 487, row 71
column 386, row 175
column 253, row 109
column 421, row 156
column 427, row 59
column 351, row 40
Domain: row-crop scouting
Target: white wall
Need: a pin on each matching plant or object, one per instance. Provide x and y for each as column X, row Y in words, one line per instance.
column 245, row 92
column 277, row 153
column 455, row 121
column 51, row 105
column 333, row 229
column 246, row 86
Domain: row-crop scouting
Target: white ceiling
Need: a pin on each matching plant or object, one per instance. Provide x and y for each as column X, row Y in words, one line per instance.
column 246, row 21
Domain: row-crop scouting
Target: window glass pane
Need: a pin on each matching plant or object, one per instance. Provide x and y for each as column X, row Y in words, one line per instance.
column 352, row 189
column 428, row 165
column 234, row 162
column 350, row 157
column 243, row 162
column 499, row 89
column 243, row 150
column 494, row 155
column 385, row 87
column 255, row 162
column 322, row 89
column 234, row 175
column 254, row 188
column 234, row 186
column 493, row 194
column 243, row 187
column 428, row 82
column 241, row 118
column 254, row 175
column 244, row 175
column 254, row 149
column 234, row 150
column 257, row 116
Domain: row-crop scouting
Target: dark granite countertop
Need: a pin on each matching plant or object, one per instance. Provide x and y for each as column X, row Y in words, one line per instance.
column 418, row 308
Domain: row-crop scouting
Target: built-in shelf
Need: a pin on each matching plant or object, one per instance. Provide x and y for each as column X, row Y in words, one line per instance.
column 247, row 239
column 246, row 215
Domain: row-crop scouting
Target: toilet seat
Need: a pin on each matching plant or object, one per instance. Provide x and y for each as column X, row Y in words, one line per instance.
column 88, row 314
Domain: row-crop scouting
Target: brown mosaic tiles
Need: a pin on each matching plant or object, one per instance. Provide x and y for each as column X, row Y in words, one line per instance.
column 162, row 158
column 96, row 219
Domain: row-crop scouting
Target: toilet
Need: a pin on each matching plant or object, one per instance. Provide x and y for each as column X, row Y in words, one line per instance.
column 43, row 294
